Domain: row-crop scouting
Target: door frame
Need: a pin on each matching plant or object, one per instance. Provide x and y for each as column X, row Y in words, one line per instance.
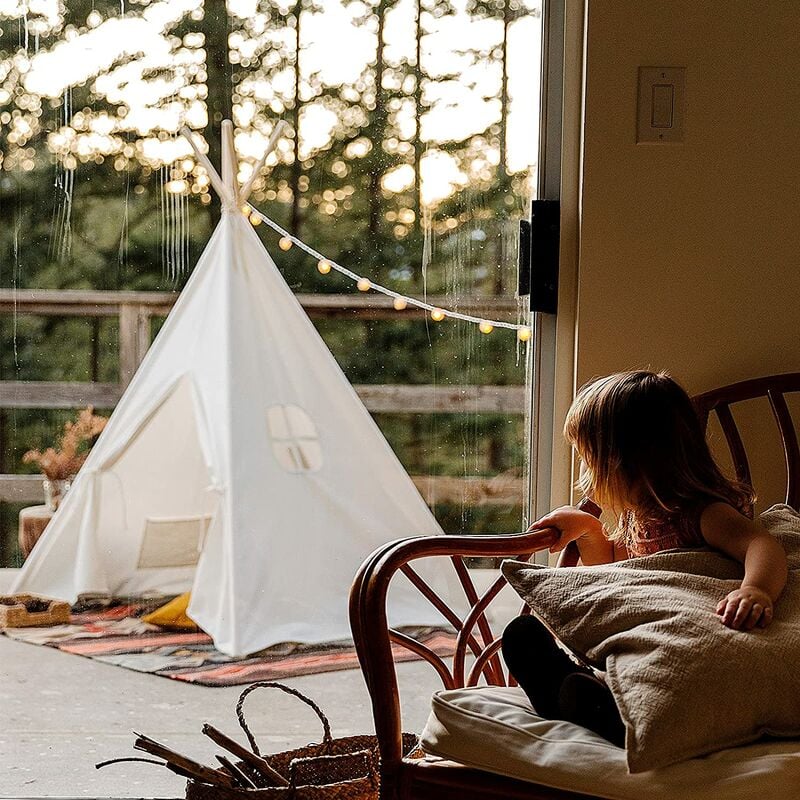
column 552, row 358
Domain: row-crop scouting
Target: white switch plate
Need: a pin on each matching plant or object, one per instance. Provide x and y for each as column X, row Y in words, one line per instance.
column 660, row 106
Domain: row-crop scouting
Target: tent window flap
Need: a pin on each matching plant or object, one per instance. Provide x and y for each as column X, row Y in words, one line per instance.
column 174, row 542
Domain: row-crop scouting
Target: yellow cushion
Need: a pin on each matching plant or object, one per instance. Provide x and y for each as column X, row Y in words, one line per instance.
column 173, row 614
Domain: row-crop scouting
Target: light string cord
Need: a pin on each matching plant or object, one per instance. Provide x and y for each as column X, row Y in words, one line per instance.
column 523, row 331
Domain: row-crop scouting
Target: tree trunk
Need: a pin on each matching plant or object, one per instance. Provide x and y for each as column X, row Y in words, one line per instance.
column 94, row 358
column 6, row 526
column 418, row 119
column 215, row 26
column 379, row 128
column 503, row 166
column 497, row 453
column 297, row 166
column 496, row 439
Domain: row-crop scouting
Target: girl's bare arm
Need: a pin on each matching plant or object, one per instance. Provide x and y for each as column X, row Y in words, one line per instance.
column 765, row 567
column 582, row 528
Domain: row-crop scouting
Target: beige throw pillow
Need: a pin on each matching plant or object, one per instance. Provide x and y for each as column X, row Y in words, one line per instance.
column 684, row 683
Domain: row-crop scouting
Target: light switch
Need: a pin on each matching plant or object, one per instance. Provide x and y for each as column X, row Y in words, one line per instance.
column 660, row 105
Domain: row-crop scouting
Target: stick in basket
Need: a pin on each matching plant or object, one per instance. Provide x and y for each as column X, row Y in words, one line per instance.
column 200, row 771
column 171, row 767
column 258, row 763
column 240, row 776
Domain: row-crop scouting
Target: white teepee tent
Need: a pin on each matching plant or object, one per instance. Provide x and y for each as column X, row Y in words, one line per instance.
column 239, row 463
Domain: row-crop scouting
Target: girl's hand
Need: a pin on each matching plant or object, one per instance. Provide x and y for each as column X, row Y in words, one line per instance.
column 571, row 524
column 745, row 608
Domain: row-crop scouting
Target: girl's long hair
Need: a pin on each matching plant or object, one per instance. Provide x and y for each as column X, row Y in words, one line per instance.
column 644, row 449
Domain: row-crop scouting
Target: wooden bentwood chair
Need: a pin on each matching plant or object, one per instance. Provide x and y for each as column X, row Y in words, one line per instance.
column 445, row 780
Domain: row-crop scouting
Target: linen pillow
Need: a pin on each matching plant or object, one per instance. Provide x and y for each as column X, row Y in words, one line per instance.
column 685, row 684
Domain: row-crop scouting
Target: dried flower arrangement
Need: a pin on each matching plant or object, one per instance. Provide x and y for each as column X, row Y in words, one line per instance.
column 63, row 461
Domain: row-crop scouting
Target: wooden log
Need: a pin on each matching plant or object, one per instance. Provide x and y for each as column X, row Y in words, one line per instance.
column 81, row 302
column 433, row 399
column 200, row 771
column 32, row 522
column 170, row 767
column 96, row 303
column 258, row 763
column 134, row 339
column 21, row 489
column 378, row 398
column 471, row 490
column 379, row 306
column 58, row 394
column 242, row 778
column 501, row 490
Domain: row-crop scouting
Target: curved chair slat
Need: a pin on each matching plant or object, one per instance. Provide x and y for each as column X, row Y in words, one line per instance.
column 791, row 449
column 494, row 671
column 439, row 604
column 425, row 652
column 480, row 663
column 735, row 444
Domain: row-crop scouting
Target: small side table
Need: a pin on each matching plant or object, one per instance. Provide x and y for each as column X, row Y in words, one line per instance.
column 32, row 522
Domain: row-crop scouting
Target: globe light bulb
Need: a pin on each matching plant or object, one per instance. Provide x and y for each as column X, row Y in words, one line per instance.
column 437, row 315
column 486, row 327
column 364, row 285
column 285, row 243
column 255, row 219
column 324, row 267
column 524, row 334
column 400, row 304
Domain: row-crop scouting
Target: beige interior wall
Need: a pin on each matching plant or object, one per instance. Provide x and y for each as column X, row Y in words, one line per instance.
column 689, row 252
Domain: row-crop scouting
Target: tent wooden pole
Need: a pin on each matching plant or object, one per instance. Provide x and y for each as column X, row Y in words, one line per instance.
column 220, row 188
column 229, row 162
column 277, row 132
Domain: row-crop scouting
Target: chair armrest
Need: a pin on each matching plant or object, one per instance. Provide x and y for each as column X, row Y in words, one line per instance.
column 373, row 638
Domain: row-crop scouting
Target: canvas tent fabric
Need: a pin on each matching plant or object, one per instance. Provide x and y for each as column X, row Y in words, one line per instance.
column 239, row 464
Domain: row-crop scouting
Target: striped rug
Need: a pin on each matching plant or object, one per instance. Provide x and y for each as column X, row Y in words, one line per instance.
column 117, row 636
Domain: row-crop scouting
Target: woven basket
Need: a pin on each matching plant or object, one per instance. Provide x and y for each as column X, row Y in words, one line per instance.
column 14, row 614
column 336, row 769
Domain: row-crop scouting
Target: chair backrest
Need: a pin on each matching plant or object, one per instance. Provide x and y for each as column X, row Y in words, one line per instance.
column 774, row 388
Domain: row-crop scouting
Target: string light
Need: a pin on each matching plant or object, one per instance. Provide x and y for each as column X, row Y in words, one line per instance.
column 399, row 301
column 255, row 219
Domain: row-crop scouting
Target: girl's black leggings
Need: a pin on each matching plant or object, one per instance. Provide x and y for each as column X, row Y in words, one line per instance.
column 557, row 687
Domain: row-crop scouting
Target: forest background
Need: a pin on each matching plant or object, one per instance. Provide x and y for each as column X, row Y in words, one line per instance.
column 411, row 161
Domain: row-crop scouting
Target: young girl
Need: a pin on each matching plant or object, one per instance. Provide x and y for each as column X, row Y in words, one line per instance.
column 644, row 458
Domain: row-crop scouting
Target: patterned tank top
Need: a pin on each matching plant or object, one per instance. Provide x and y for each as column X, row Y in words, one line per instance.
column 680, row 529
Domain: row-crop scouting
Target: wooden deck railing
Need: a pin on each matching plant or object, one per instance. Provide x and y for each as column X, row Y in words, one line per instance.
column 135, row 311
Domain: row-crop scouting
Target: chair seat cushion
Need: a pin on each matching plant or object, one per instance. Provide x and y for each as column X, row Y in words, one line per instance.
column 495, row 729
